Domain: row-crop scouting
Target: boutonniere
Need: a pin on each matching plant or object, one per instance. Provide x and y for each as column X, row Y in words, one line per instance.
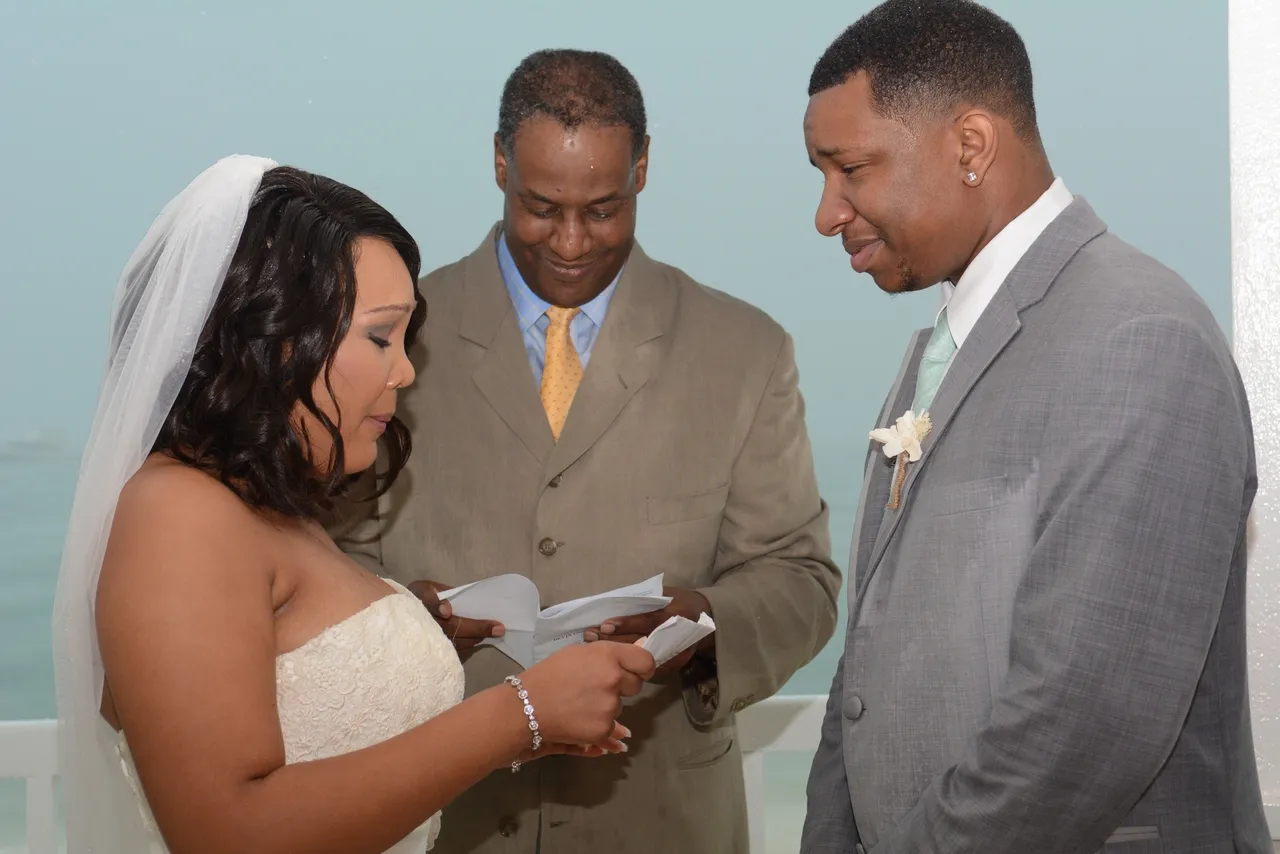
column 901, row 442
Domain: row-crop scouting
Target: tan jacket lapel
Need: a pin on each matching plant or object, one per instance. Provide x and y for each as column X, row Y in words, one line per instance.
column 503, row 376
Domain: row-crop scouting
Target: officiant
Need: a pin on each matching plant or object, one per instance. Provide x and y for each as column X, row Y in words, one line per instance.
column 589, row 417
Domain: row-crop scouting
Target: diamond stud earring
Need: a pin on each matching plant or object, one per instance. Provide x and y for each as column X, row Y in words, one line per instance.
column 972, row 176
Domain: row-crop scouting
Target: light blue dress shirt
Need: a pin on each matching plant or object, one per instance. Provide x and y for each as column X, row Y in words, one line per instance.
column 531, row 314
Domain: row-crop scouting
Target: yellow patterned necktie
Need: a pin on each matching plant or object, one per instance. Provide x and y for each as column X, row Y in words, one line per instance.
column 561, row 370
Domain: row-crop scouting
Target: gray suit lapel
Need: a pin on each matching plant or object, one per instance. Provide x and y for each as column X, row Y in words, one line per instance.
column 878, row 469
column 503, row 375
column 999, row 323
column 641, row 310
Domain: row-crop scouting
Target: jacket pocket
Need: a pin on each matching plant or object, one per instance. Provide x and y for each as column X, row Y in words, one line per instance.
column 954, row 498
column 706, row 756
column 1124, row 835
column 686, row 508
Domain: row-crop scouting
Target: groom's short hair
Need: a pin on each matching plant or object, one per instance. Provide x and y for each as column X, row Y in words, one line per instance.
column 929, row 56
column 576, row 88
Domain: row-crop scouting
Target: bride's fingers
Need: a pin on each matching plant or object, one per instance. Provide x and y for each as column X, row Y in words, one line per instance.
column 547, row 749
column 588, row 751
column 612, row 745
column 609, row 746
column 560, row 749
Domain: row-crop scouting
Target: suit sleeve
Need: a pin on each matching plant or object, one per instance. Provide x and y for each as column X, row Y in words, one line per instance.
column 355, row 523
column 774, row 586
column 1144, row 479
column 829, row 826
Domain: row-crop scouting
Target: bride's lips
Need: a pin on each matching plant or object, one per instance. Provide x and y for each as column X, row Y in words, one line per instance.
column 380, row 422
column 862, row 252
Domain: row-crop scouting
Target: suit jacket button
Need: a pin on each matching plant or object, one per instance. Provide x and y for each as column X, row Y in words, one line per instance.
column 555, row 481
column 548, row 547
column 508, row 826
column 853, row 707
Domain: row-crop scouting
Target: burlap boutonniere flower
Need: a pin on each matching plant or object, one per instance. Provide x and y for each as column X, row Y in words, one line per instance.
column 901, row 442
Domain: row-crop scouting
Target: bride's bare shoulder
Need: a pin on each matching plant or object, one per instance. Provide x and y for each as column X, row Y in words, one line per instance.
column 185, row 595
column 172, row 519
column 164, row 489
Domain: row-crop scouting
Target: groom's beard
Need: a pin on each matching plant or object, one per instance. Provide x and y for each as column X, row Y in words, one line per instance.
column 910, row 281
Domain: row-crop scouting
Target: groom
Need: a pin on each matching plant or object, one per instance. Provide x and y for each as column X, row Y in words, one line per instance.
column 1046, row 641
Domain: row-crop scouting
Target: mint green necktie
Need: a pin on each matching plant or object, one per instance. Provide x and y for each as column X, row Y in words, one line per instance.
column 933, row 364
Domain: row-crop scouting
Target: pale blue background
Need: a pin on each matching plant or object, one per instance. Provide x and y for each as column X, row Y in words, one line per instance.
column 108, row 109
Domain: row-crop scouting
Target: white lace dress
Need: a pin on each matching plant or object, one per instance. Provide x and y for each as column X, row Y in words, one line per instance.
column 380, row 672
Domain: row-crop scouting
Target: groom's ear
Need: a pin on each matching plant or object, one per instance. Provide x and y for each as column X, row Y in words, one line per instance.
column 499, row 164
column 979, row 143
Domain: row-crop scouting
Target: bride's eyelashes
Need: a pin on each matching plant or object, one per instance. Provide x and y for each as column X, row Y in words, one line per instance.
column 381, row 336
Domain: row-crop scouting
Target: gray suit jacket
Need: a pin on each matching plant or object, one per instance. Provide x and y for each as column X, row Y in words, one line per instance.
column 1046, row 643
column 685, row 453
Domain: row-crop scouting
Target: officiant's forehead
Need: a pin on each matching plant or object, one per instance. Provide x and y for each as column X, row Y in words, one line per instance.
column 588, row 164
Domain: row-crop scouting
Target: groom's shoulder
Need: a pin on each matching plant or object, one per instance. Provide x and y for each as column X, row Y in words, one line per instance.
column 1109, row 283
column 1113, row 274
column 1111, row 298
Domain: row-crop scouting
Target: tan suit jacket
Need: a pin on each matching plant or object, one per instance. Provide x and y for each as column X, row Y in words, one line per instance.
column 685, row 453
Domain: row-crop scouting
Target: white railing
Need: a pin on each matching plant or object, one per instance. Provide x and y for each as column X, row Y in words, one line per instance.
column 780, row 724
column 29, row 750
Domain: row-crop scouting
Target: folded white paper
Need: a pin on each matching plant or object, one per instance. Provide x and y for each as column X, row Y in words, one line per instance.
column 676, row 635
column 532, row 635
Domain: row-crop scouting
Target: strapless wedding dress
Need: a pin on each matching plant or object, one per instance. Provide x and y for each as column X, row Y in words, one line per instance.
column 376, row 674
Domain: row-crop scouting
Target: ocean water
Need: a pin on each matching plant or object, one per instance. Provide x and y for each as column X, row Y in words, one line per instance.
column 35, row 501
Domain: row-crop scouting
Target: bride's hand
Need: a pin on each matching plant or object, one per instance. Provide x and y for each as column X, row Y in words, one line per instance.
column 577, row 693
column 585, row 751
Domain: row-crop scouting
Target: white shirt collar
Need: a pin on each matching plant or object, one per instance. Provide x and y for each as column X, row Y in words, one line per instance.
column 965, row 301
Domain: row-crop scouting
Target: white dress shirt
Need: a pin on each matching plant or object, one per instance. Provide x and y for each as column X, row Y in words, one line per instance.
column 965, row 301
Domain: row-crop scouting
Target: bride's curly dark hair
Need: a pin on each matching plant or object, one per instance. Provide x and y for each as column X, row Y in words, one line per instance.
column 283, row 309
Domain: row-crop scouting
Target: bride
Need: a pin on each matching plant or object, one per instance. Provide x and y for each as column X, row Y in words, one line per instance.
column 227, row 679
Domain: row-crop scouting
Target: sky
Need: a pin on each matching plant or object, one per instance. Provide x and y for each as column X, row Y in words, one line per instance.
column 108, row 110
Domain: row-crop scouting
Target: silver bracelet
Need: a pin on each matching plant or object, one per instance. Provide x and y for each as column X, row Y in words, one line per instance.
column 514, row 682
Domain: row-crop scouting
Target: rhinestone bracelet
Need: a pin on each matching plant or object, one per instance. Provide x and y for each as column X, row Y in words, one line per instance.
column 514, row 682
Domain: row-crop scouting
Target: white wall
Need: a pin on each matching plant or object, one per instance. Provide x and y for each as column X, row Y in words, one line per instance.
column 1254, row 63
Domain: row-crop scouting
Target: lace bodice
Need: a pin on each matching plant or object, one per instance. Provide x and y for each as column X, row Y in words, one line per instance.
column 378, row 673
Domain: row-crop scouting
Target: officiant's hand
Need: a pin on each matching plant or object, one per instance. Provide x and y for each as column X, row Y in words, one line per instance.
column 686, row 603
column 464, row 633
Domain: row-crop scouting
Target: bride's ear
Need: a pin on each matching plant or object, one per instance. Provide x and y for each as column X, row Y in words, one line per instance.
column 286, row 356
